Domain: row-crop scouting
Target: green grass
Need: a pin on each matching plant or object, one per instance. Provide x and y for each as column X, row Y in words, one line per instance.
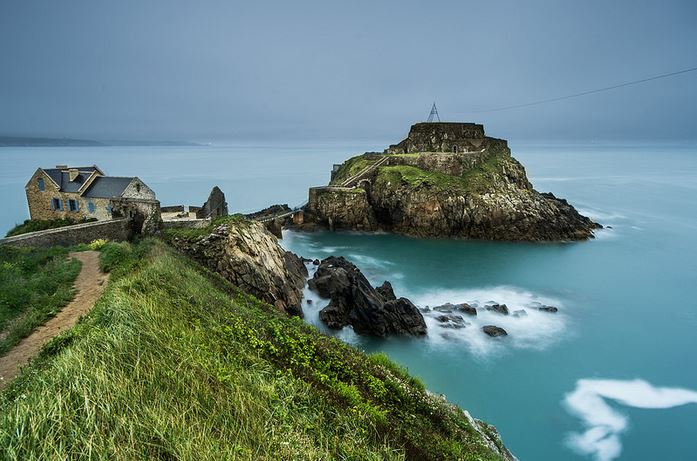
column 32, row 225
column 193, row 233
column 175, row 363
column 351, row 167
column 34, row 285
column 479, row 179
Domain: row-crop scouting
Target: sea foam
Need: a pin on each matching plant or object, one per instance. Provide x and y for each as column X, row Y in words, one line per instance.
column 604, row 424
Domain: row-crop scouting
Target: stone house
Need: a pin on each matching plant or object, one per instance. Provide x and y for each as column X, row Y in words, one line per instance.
column 85, row 192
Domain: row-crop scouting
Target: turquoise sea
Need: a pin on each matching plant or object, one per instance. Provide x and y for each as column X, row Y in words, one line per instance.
column 611, row 376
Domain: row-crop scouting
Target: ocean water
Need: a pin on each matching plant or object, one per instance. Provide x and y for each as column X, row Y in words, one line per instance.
column 611, row 376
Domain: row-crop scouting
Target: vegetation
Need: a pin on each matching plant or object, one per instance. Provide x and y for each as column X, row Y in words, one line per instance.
column 193, row 233
column 175, row 363
column 33, row 225
column 351, row 167
column 478, row 179
column 34, row 285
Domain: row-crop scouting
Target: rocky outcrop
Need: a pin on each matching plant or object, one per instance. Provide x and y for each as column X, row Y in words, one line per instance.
column 494, row 331
column 437, row 183
column 353, row 301
column 247, row 255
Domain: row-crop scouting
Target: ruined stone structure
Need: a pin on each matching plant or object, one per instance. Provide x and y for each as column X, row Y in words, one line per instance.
column 215, row 206
column 118, row 229
column 85, row 192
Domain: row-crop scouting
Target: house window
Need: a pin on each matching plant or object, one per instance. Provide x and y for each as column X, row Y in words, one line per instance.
column 72, row 205
column 90, row 207
column 138, row 187
column 56, row 204
column 40, row 184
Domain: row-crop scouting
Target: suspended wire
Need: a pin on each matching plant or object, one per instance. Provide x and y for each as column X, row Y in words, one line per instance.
column 584, row 93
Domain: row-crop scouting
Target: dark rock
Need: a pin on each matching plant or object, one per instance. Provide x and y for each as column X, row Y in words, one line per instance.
column 494, row 331
column 452, row 321
column 446, row 308
column 386, row 291
column 467, row 309
column 500, row 308
column 551, row 309
column 519, row 313
column 353, row 301
column 316, row 262
column 308, row 301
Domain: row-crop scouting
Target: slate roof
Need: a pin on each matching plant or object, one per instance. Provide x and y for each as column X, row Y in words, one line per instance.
column 62, row 177
column 107, row 187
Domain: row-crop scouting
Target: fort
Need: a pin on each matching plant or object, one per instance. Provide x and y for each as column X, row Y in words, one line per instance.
column 445, row 179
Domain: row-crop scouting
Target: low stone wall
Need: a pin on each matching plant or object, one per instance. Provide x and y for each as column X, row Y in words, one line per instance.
column 185, row 223
column 114, row 229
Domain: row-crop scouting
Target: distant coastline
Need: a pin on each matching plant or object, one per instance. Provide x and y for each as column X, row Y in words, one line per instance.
column 21, row 141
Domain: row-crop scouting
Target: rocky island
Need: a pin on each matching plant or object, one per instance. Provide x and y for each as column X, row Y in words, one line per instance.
column 444, row 180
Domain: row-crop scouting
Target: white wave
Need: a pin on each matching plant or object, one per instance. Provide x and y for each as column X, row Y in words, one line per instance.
column 604, row 424
column 366, row 260
column 535, row 330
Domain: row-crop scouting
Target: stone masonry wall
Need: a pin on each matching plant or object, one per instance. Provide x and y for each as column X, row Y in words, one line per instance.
column 116, row 229
column 341, row 208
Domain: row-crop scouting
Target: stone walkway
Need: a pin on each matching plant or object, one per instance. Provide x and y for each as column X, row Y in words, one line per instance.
column 89, row 284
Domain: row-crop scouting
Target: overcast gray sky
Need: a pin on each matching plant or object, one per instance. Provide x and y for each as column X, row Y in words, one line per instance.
column 361, row 70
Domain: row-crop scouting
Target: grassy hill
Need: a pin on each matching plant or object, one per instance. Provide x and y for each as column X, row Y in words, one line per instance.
column 175, row 363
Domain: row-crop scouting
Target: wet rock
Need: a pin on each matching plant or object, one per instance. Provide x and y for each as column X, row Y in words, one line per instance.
column 353, row 301
column 520, row 313
column 500, row 308
column 446, row 308
column 494, row 331
column 467, row 309
column 308, row 301
column 386, row 291
column 316, row 262
column 452, row 321
column 550, row 309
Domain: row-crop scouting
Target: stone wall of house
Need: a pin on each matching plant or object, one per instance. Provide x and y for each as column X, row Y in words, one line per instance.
column 40, row 202
column 115, row 229
column 215, row 206
column 139, row 190
column 185, row 223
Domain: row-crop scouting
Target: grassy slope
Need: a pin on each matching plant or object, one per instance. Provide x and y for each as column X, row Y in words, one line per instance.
column 174, row 363
column 34, row 285
column 476, row 180
column 351, row 167
column 32, row 225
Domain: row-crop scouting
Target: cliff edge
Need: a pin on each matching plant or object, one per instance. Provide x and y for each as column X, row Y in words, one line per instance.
column 443, row 180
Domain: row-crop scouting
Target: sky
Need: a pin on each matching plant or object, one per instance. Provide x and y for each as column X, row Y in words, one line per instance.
column 352, row 70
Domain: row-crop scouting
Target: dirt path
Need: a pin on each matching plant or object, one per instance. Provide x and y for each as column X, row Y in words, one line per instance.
column 89, row 285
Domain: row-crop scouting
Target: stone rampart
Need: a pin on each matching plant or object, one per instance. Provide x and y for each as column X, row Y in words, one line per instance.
column 115, row 229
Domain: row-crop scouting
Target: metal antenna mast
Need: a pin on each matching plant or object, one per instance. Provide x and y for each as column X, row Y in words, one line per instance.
column 434, row 114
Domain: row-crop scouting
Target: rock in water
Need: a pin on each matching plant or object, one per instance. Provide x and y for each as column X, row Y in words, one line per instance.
column 353, row 301
column 386, row 291
column 551, row 309
column 247, row 255
column 494, row 331
column 500, row 308
column 455, row 182
column 467, row 309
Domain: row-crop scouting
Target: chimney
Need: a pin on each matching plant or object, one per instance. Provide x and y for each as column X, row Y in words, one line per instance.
column 73, row 174
column 61, row 167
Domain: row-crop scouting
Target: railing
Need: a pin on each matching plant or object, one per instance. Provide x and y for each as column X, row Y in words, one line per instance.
column 358, row 176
